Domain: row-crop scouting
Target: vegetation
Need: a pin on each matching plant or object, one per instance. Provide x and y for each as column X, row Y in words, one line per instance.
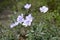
column 46, row 26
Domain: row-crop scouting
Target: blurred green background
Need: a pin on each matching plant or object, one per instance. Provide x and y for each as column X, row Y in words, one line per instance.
column 46, row 26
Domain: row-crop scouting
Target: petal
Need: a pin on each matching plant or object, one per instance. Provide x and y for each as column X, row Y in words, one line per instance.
column 27, row 23
column 27, row 6
column 20, row 18
column 14, row 24
column 29, row 17
column 44, row 9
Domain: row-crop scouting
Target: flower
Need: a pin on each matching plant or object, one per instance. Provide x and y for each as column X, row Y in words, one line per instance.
column 29, row 17
column 20, row 18
column 28, row 20
column 27, row 6
column 14, row 24
column 26, row 23
column 43, row 9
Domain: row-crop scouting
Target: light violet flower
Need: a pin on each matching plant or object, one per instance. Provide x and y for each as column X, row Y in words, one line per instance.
column 20, row 18
column 28, row 20
column 29, row 17
column 14, row 24
column 27, row 6
column 43, row 9
column 26, row 23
